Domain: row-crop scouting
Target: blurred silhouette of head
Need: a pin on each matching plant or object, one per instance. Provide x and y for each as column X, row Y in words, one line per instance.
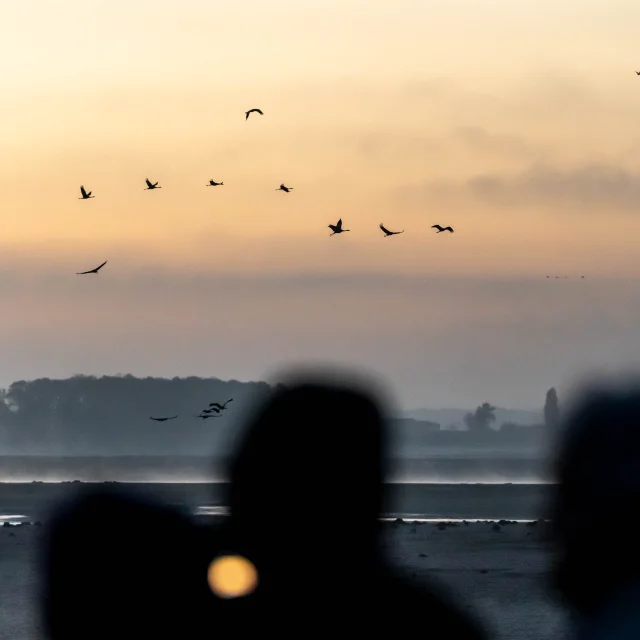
column 312, row 458
column 120, row 567
column 598, row 476
column 305, row 497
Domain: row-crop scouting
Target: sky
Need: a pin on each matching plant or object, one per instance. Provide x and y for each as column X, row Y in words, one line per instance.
column 515, row 123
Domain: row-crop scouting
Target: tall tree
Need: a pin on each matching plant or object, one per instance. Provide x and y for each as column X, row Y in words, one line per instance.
column 551, row 410
column 482, row 419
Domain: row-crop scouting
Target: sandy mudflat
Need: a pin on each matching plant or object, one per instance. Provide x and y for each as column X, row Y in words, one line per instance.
column 499, row 575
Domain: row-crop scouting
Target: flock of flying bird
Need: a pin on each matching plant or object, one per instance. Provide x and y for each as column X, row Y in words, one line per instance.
column 335, row 228
column 214, row 410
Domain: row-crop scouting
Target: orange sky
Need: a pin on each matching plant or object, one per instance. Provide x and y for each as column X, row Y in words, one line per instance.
column 515, row 123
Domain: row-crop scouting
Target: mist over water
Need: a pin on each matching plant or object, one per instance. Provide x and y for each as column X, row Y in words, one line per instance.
column 418, row 501
column 187, row 469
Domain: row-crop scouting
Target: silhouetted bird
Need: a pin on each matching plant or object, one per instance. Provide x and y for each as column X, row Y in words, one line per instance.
column 206, row 415
column 389, row 233
column 301, row 559
column 82, row 273
column 221, row 406
column 248, row 113
column 638, row 73
column 151, row 186
column 283, row 188
column 337, row 228
column 163, row 419
column 213, row 183
column 85, row 195
column 441, row 229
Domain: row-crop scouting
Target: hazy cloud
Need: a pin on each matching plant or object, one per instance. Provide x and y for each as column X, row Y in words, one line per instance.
column 438, row 339
column 589, row 187
column 483, row 141
column 470, row 138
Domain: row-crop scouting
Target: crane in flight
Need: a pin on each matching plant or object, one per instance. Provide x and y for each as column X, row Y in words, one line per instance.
column 151, row 186
column 441, row 229
column 163, row 419
column 248, row 113
column 85, row 194
column 389, row 233
column 82, row 273
column 638, row 73
column 204, row 416
column 337, row 228
column 216, row 406
column 283, row 188
column 213, row 183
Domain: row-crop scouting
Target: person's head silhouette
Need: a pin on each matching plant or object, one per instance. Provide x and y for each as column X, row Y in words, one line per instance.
column 598, row 480
column 311, row 458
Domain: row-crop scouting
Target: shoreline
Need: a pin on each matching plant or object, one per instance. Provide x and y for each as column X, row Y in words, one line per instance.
column 409, row 501
column 442, row 483
column 7, row 521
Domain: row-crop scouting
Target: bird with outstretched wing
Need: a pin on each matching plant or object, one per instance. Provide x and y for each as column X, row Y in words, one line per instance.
column 389, row 233
column 82, row 273
column 85, row 195
column 248, row 113
column 216, row 406
column 441, row 229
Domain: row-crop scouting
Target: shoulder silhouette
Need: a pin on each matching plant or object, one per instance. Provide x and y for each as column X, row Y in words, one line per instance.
column 115, row 566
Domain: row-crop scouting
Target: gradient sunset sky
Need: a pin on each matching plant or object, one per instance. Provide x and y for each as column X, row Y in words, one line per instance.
column 517, row 123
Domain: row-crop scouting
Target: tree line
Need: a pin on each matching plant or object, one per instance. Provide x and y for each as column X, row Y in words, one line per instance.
column 110, row 414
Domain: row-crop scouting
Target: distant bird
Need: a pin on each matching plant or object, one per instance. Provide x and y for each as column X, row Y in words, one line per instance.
column 207, row 415
column 85, row 195
column 213, row 183
column 389, row 233
column 220, row 407
column 441, row 229
column 162, row 419
column 337, row 228
column 638, row 73
column 283, row 188
column 247, row 113
column 210, row 410
column 82, row 273
column 151, row 186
